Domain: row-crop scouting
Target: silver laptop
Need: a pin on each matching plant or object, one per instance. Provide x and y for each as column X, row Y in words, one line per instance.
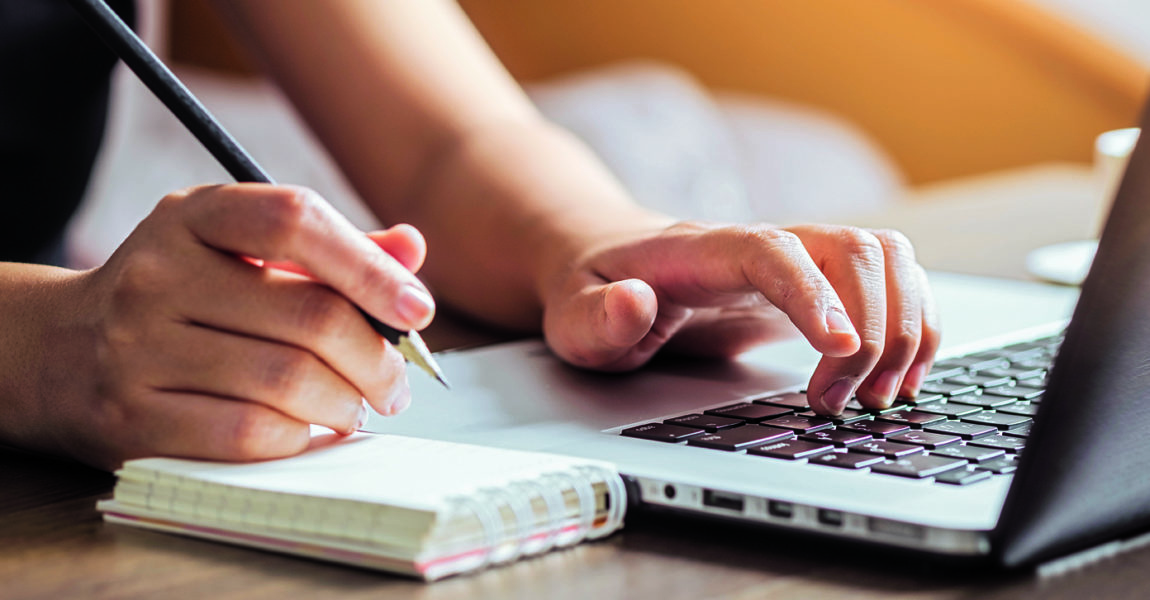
column 1029, row 442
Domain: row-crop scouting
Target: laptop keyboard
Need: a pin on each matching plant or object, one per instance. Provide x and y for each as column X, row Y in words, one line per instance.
column 968, row 423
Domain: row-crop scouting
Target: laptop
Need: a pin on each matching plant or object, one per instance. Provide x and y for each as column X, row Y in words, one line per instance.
column 1029, row 442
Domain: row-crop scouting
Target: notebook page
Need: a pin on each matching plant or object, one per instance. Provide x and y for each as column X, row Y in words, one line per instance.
column 394, row 470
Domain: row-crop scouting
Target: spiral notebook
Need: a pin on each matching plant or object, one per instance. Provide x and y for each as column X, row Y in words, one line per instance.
column 417, row 507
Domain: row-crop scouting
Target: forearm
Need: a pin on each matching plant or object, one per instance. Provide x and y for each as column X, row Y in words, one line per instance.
column 508, row 209
column 432, row 131
column 35, row 335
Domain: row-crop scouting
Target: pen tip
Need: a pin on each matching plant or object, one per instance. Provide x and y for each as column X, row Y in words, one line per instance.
column 443, row 380
column 414, row 350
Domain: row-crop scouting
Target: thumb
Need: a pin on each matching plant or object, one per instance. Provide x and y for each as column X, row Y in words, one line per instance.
column 404, row 243
column 600, row 325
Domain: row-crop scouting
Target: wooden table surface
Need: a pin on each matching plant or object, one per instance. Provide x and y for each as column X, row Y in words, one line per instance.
column 54, row 545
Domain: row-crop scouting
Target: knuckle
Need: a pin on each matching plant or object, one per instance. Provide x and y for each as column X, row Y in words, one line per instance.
column 171, row 202
column 175, row 201
column 254, row 433
column 688, row 228
column 283, row 372
column 141, row 275
column 377, row 276
column 760, row 236
column 896, row 242
column 288, row 211
column 321, row 311
column 870, row 350
column 862, row 245
column 903, row 339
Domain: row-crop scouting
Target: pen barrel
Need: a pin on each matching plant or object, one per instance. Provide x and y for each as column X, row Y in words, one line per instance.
column 389, row 333
column 170, row 90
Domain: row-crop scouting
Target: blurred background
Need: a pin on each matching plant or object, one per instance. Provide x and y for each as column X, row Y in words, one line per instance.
column 938, row 118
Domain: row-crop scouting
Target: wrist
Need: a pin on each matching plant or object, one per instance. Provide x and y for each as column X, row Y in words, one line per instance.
column 510, row 209
column 42, row 336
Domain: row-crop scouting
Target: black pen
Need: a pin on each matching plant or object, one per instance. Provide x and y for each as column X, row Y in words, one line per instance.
column 175, row 95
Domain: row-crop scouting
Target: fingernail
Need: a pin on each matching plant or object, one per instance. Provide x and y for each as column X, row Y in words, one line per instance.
column 913, row 380
column 838, row 322
column 414, row 306
column 884, row 387
column 400, row 397
column 361, row 421
column 402, row 402
column 837, row 396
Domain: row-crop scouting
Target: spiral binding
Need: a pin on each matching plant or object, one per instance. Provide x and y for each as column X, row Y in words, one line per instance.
column 485, row 505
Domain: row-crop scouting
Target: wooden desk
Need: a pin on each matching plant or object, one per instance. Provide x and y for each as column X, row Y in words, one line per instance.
column 54, row 545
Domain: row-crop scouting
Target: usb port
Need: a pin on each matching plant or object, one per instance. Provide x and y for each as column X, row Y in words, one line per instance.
column 830, row 517
column 778, row 508
column 723, row 500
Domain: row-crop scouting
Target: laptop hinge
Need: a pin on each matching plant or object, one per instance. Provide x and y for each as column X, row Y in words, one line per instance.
column 1084, row 558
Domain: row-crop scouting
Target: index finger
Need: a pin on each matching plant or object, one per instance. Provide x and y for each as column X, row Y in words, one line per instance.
column 289, row 223
column 703, row 268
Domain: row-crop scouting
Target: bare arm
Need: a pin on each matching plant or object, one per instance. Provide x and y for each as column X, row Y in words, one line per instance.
column 432, row 131
column 527, row 229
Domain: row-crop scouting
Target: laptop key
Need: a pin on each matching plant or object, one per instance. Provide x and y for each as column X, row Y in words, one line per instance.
column 962, row 476
column 1019, row 408
column 981, row 400
column 739, row 437
column 915, row 419
column 846, row 460
column 1004, row 442
column 1017, row 392
column 981, row 379
column 950, row 409
column 878, row 429
column 709, row 423
column 800, row 424
column 1021, row 432
column 797, row 400
column 998, row 419
column 886, row 448
column 1016, row 373
column 922, row 399
column 919, row 466
column 839, row 437
column 1000, row 466
column 847, row 416
column 942, row 371
column 948, row 389
column 967, row 431
column 1033, row 363
column 971, row 453
column 981, row 361
column 660, row 432
column 745, row 411
column 926, row 439
column 792, row 449
column 854, row 404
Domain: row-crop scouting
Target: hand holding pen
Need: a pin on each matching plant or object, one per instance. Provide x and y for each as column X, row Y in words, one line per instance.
column 235, row 316
column 190, row 349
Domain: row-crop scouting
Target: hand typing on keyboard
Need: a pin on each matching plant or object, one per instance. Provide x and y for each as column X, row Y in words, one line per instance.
column 859, row 297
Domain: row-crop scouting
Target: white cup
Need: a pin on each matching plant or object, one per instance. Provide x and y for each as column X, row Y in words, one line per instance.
column 1069, row 262
column 1111, row 154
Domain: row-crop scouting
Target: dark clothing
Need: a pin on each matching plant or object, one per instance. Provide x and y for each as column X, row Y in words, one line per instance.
column 54, row 80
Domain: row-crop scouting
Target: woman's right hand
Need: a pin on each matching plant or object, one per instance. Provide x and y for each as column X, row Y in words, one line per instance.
column 185, row 343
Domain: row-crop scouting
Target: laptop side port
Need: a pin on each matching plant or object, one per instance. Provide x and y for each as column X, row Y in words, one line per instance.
column 723, row 500
column 833, row 518
column 778, row 508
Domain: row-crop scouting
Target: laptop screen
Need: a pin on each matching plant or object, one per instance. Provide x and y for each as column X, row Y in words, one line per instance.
column 1084, row 477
